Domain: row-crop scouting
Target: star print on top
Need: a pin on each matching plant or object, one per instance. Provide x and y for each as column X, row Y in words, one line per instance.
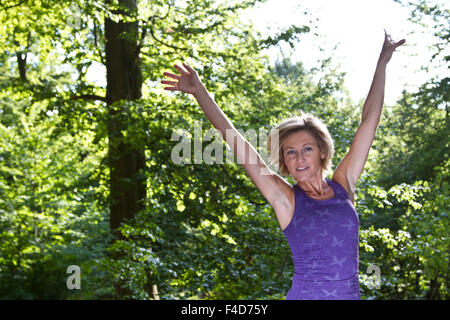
column 323, row 236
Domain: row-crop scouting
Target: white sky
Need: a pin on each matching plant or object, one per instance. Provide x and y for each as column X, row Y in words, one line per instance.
column 356, row 27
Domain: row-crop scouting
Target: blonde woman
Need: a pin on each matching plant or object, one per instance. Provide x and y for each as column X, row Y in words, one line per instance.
column 316, row 214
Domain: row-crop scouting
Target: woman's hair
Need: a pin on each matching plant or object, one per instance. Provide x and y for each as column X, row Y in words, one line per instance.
column 305, row 121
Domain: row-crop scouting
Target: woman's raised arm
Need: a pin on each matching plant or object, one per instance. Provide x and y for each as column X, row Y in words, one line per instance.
column 189, row 82
column 274, row 188
column 351, row 166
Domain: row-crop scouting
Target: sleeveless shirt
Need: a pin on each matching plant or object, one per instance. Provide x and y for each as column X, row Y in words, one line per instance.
column 323, row 236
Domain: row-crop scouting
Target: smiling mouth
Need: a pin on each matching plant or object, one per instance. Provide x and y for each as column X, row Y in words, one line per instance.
column 302, row 169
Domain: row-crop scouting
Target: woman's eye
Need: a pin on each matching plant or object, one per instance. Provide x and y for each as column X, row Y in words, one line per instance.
column 290, row 152
column 308, row 149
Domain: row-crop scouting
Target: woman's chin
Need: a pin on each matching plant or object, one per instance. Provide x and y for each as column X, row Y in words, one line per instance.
column 301, row 177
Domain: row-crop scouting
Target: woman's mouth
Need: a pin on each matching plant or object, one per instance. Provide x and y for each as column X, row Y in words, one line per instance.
column 302, row 168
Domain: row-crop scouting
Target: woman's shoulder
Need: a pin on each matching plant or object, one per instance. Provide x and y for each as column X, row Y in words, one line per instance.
column 343, row 183
column 285, row 205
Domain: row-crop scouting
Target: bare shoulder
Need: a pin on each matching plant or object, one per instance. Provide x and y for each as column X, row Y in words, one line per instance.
column 283, row 201
column 340, row 177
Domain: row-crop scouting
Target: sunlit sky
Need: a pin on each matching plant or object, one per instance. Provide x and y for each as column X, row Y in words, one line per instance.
column 356, row 29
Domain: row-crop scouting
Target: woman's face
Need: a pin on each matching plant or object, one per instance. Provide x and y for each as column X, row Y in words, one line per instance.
column 302, row 156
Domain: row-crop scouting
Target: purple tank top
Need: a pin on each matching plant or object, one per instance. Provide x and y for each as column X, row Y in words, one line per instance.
column 323, row 236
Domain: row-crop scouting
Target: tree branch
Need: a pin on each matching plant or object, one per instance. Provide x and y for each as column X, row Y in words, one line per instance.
column 88, row 97
column 165, row 44
column 13, row 5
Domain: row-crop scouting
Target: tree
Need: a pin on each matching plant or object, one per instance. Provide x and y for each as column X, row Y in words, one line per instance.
column 135, row 41
column 404, row 200
column 87, row 175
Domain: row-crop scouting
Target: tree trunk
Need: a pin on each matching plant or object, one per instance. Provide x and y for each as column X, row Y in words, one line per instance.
column 126, row 159
column 22, row 63
column 22, row 58
column 433, row 292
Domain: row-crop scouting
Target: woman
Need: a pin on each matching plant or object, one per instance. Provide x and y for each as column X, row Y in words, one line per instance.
column 316, row 214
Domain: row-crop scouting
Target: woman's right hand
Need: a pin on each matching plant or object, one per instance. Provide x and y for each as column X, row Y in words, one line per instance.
column 188, row 80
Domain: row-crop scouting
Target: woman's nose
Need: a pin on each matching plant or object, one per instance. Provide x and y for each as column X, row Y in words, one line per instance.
column 300, row 155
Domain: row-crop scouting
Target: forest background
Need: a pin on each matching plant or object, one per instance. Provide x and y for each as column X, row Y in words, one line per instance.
column 86, row 177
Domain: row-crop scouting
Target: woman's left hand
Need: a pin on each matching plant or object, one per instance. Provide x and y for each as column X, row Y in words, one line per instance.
column 388, row 47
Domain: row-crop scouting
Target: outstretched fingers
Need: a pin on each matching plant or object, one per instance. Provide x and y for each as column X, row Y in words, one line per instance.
column 388, row 39
column 170, row 83
column 185, row 81
column 171, row 75
column 398, row 44
column 387, row 36
column 182, row 71
column 188, row 68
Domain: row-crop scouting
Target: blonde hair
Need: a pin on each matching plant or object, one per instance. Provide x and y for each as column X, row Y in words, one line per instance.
column 305, row 121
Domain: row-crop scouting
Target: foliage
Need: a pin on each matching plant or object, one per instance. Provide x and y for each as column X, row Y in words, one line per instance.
column 205, row 231
column 50, row 215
